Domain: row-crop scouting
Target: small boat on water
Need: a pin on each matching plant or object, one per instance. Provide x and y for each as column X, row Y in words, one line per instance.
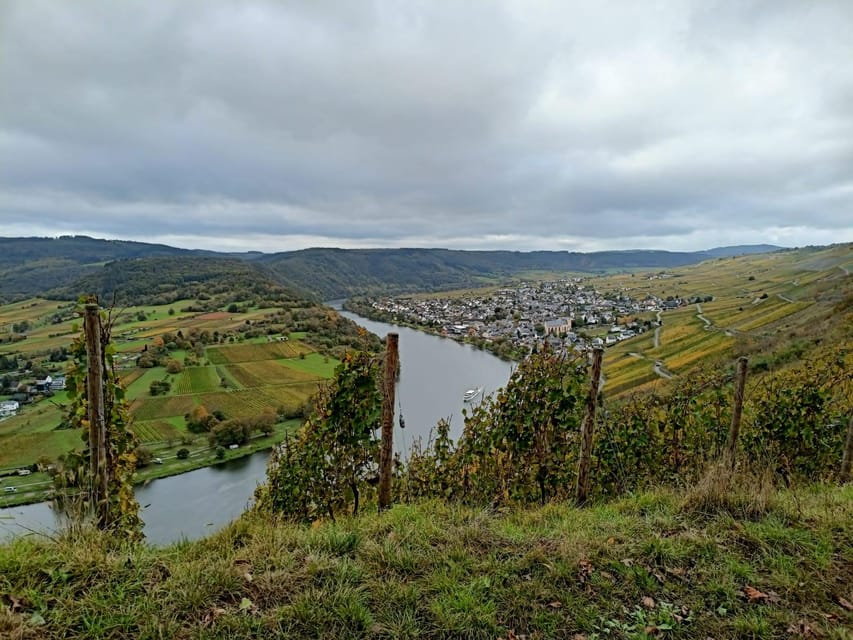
column 471, row 394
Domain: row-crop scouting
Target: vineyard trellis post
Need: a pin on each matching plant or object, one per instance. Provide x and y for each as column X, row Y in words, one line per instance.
column 847, row 458
column 737, row 411
column 99, row 493
column 386, row 450
column 587, row 428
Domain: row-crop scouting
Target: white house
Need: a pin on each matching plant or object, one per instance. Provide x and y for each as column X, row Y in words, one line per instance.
column 9, row 408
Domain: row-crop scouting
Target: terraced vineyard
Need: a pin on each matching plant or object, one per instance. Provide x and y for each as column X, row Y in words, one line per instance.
column 756, row 299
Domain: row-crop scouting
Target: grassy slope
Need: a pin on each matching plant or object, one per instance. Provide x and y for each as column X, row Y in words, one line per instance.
column 634, row 568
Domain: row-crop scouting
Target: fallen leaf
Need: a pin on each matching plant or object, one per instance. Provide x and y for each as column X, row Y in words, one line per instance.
column 803, row 629
column 586, row 570
column 611, row 540
column 212, row 614
column 556, row 604
column 651, row 630
column 628, row 562
column 753, row 594
column 845, row 603
column 246, row 605
column 648, row 602
column 579, row 636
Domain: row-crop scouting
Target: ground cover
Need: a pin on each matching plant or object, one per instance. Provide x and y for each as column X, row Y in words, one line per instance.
column 639, row 567
column 315, row 363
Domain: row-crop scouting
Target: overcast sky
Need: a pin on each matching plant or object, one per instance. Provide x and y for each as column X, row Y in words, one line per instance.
column 522, row 125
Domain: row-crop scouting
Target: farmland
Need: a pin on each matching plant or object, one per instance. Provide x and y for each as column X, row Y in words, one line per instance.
column 236, row 374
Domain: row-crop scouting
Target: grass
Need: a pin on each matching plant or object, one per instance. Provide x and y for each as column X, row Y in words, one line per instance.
column 316, row 363
column 640, row 567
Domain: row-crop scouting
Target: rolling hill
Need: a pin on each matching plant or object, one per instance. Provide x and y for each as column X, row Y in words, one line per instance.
column 60, row 266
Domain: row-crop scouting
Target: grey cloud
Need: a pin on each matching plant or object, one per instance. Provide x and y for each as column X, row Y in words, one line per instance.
column 482, row 124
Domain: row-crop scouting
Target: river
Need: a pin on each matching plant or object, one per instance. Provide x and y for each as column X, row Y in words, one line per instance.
column 434, row 374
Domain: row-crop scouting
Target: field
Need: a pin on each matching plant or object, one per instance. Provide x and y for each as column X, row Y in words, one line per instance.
column 256, row 352
column 242, row 379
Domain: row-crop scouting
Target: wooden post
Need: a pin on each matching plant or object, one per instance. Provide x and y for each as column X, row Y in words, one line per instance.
column 737, row 411
column 97, row 422
column 582, row 486
column 386, row 452
column 847, row 459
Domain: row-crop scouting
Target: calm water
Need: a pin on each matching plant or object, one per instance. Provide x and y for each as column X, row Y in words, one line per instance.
column 434, row 374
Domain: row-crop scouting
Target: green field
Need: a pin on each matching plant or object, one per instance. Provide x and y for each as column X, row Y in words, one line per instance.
column 316, row 363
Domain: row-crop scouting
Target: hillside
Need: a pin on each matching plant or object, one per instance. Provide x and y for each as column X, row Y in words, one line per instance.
column 164, row 279
column 34, row 266
column 343, row 272
column 641, row 567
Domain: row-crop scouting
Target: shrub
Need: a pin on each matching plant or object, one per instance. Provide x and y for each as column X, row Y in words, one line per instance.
column 173, row 366
column 183, row 454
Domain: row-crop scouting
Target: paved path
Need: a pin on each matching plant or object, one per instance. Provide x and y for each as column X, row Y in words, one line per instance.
column 657, row 332
column 661, row 371
column 784, row 297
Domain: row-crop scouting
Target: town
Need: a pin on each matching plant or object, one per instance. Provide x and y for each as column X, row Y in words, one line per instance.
column 568, row 314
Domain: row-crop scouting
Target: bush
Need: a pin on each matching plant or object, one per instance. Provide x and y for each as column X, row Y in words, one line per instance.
column 219, row 452
column 173, row 366
column 143, row 456
column 183, row 454
column 158, row 387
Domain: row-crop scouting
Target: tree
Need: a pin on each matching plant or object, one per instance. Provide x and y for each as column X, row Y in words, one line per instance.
column 173, row 366
column 182, row 454
column 159, row 387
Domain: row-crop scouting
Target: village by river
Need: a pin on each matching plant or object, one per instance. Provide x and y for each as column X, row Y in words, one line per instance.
column 435, row 373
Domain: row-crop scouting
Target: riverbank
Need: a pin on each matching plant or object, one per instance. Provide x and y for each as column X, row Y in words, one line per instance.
column 639, row 567
column 172, row 466
column 504, row 350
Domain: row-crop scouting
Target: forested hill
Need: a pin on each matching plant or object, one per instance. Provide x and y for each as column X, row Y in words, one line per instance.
column 35, row 266
column 341, row 272
column 166, row 279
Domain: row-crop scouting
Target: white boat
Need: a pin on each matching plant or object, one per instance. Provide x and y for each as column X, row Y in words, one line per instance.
column 472, row 393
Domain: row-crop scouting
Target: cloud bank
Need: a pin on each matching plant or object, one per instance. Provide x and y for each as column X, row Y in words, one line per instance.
column 280, row 125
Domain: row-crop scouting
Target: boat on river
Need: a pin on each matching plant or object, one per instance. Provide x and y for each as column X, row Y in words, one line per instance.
column 471, row 394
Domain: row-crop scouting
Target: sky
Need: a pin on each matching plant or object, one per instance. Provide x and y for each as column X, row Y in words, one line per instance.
column 528, row 124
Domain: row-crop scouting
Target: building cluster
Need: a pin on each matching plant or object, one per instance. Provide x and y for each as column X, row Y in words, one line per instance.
column 567, row 314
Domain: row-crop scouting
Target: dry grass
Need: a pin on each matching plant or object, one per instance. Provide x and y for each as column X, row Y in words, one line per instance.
column 747, row 493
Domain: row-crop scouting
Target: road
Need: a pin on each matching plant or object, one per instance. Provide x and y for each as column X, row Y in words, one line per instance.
column 657, row 332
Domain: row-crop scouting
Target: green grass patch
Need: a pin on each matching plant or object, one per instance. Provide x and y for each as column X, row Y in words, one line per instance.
column 634, row 568
column 315, row 363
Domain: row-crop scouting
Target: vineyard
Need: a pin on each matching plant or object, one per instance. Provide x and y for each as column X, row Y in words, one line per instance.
column 267, row 372
column 197, row 380
column 256, row 352
column 162, row 407
column 155, row 431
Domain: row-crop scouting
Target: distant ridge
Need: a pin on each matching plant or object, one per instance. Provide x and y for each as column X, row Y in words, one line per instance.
column 36, row 266
column 742, row 250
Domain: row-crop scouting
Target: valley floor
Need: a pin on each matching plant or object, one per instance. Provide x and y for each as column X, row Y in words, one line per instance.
column 639, row 567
